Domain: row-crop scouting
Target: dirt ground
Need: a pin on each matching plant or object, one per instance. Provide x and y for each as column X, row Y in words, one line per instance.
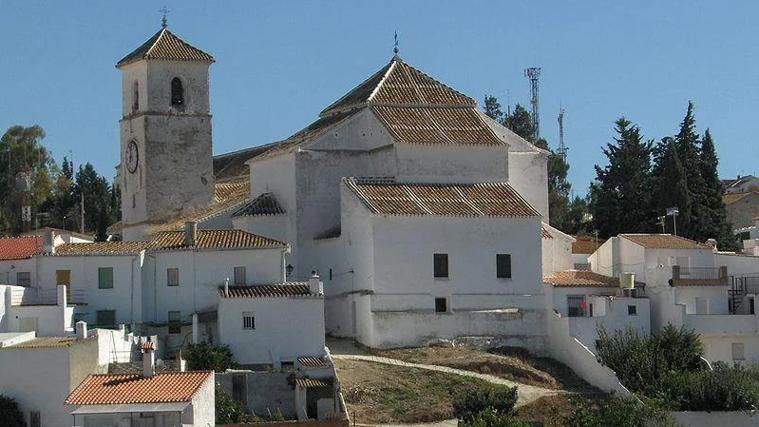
column 509, row 363
column 378, row 394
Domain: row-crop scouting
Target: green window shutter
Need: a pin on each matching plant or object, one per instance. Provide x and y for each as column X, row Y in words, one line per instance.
column 105, row 278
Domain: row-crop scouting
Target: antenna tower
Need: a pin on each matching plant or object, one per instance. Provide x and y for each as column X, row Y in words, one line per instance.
column 562, row 150
column 533, row 74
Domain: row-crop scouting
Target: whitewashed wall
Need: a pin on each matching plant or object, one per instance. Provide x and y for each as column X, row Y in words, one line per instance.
column 9, row 270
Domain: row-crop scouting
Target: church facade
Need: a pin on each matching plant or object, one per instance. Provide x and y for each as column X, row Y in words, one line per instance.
column 423, row 216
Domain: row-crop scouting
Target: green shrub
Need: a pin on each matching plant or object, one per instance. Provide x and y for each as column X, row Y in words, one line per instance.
column 228, row 411
column 723, row 389
column 10, row 415
column 469, row 404
column 206, row 357
column 619, row 412
column 492, row 418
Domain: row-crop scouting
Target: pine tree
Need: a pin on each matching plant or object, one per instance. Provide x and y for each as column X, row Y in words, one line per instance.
column 717, row 225
column 620, row 196
column 492, row 108
column 520, row 122
column 670, row 181
column 687, row 142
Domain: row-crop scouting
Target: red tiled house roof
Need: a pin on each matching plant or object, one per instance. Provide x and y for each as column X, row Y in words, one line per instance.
column 581, row 279
column 13, row 248
column 130, row 389
column 166, row 46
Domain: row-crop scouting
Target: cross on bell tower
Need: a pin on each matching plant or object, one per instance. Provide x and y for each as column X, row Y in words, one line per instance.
column 165, row 12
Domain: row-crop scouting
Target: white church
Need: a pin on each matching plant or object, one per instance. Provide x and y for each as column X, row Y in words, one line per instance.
column 423, row 217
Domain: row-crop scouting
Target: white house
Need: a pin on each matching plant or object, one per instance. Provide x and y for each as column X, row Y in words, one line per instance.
column 17, row 266
column 556, row 250
column 133, row 400
column 251, row 322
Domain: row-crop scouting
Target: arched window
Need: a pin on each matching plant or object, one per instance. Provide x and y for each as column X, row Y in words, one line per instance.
column 136, row 97
column 177, row 92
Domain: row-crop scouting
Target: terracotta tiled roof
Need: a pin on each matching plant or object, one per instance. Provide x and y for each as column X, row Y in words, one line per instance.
column 147, row 345
column 265, row 204
column 232, row 165
column 586, row 244
column 544, row 233
column 663, row 241
column 164, row 45
column 101, row 248
column 212, row 239
column 290, row 289
column 388, row 197
column 20, row 247
column 579, row 279
column 398, row 83
column 731, row 198
column 313, row 383
column 313, row 362
column 49, row 342
column 129, row 389
column 422, row 125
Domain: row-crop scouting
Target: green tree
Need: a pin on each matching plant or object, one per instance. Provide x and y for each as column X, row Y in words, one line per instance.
column 492, row 108
column 206, row 356
column 493, row 418
column 670, row 182
column 228, row 410
column 619, row 412
column 687, row 141
column 620, row 196
column 469, row 404
column 716, row 224
column 520, row 122
column 10, row 414
column 98, row 205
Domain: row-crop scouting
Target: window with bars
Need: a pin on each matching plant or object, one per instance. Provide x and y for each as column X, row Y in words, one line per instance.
column 441, row 305
column 172, row 277
column 503, row 266
column 248, row 321
column 24, row 278
column 440, row 266
column 240, row 276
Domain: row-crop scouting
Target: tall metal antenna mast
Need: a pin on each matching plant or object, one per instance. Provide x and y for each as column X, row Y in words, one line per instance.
column 562, row 150
column 533, row 74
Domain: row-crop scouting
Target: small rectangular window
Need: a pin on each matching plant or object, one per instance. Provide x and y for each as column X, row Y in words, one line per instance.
column 175, row 322
column 632, row 310
column 172, row 277
column 240, row 276
column 576, row 305
column 739, row 351
column 106, row 318
column 105, row 278
column 248, row 321
column 441, row 305
column 440, row 265
column 24, row 278
column 503, row 266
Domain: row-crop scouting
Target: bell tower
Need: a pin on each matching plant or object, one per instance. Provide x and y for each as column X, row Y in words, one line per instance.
column 166, row 147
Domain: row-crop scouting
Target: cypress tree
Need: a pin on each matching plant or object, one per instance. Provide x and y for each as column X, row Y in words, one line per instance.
column 688, row 150
column 717, row 225
column 670, row 181
column 620, row 197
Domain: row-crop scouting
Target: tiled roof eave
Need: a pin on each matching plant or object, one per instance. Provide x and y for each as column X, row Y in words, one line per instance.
column 377, row 213
column 197, row 249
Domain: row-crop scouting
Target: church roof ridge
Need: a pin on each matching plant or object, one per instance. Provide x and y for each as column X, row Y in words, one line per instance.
column 165, row 45
column 399, row 84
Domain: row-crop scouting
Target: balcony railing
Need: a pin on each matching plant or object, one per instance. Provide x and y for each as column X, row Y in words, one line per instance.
column 45, row 296
column 684, row 276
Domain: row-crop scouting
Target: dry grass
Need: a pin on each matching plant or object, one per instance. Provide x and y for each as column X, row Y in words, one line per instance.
column 510, row 363
column 553, row 411
column 377, row 393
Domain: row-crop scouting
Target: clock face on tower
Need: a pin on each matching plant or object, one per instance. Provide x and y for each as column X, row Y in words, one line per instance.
column 132, row 156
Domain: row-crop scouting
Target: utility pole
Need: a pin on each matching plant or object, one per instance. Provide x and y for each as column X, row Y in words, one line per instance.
column 533, row 73
column 673, row 212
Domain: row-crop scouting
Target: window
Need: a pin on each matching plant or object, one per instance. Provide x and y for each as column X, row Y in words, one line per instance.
column 739, row 351
column 503, row 266
column 35, row 420
column 63, row 277
column 330, row 274
column 576, row 305
column 632, row 310
column 441, row 305
column 175, row 322
column 248, row 321
column 440, row 265
column 177, row 92
column 136, row 97
column 240, row 276
column 106, row 318
column 105, row 278
column 172, row 277
column 24, row 278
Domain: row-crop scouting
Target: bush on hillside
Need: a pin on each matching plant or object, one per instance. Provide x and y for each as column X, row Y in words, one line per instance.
column 228, row 411
column 492, row 418
column 619, row 412
column 723, row 389
column 471, row 403
column 207, row 357
column 10, row 415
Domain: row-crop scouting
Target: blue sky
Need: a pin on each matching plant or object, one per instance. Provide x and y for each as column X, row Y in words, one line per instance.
column 280, row 62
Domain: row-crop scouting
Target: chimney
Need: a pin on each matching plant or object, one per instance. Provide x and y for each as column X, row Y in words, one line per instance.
column 315, row 284
column 181, row 361
column 81, row 329
column 148, row 358
column 48, row 242
column 190, row 233
column 712, row 243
